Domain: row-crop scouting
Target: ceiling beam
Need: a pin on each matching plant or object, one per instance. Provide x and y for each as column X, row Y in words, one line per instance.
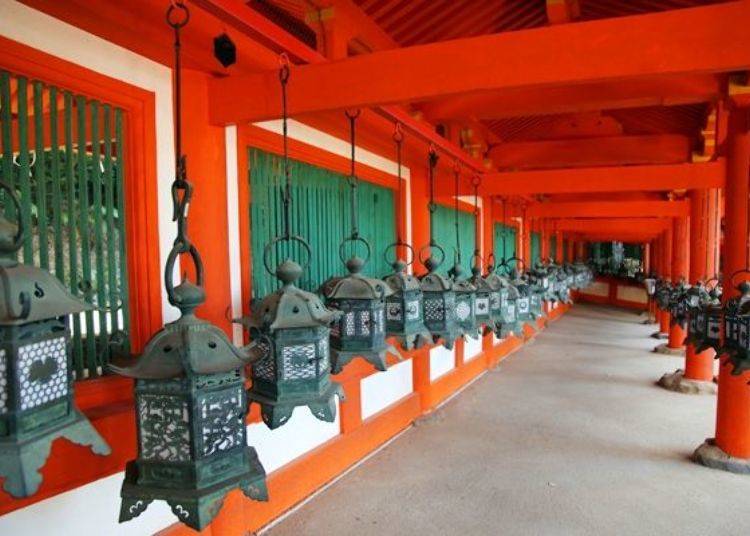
column 611, row 95
column 562, row 11
column 614, row 226
column 609, row 209
column 586, row 152
column 596, row 179
column 616, row 49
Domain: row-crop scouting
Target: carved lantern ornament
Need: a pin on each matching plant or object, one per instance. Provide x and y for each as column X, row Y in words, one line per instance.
column 704, row 326
column 290, row 328
column 737, row 328
column 36, row 377
column 503, row 297
column 539, row 276
column 360, row 330
column 663, row 294
column 190, row 401
column 466, row 306
column 437, row 290
column 529, row 302
column 404, row 308
column 679, row 303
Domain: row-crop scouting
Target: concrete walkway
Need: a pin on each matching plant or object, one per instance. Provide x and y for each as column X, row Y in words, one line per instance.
column 568, row 436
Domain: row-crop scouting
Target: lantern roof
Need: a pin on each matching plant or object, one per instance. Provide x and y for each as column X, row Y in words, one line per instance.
column 399, row 280
column 480, row 283
column 355, row 286
column 30, row 294
column 435, row 282
column 460, row 284
column 186, row 347
column 289, row 307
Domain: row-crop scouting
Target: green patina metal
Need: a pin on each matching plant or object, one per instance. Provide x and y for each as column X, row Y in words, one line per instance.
column 360, row 330
column 704, row 319
column 737, row 330
column 190, row 398
column 404, row 309
column 36, row 380
column 72, row 206
column 290, row 328
column 437, row 290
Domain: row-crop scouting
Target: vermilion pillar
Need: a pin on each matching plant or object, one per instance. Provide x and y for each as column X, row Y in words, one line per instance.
column 680, row 267
column 733, row 405
column 569, row 255
column 666, row 266
column 700, row 366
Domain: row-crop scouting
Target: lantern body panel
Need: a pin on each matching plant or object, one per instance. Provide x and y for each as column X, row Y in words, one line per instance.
column 360, row 332
column 404, row 310
column 294, row 370
column 36, row 402
column 440, row 316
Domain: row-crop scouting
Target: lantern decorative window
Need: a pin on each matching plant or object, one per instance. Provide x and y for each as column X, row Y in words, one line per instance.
column 36, row 378
column 404, row 308
column 704, row 326
column 663, row 294
column 437, row 290
column 290, row 328
column 360, row 330
column 529, row 302
column 503, row 298
column 737, row 329
column 190, row 399
column 679, row 303
column 485, row 298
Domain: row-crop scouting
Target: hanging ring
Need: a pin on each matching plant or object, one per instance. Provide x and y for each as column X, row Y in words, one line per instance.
column 278, row 239
column 429, row 247
column 516, row 260
column 398, row 133
column 21, row 227
column 354, row 239
column 353, row 113
column 476, row 257
column 409, row 257
column 178, row 14
column 476, row 181
column 178, row 249
column 283, row 68
column 491, row 262
column 716, row 279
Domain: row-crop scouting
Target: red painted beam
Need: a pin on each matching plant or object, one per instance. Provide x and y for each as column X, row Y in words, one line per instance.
column 599, row 179
column 635, row 93
column 609, row 209
column 624, row 48
column 614, row 225
column 589, row 152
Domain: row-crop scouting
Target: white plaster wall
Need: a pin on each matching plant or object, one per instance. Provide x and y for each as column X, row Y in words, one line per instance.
column 632, row 294
column 472, row 348
column 378, row 391
column 442, row 361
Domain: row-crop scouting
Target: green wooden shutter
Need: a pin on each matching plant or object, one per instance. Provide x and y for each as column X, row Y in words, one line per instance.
column 553, row 247
column 320, row 213
column 507, row 232
column 445, row 236
column 67, row 167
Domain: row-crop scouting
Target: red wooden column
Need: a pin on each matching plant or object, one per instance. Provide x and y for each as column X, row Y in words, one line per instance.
column 666, row 265
column 733, row 404
column 680, row 268
column 569, row 253
column 646, row 256
column 544, row 234
column 700, row 366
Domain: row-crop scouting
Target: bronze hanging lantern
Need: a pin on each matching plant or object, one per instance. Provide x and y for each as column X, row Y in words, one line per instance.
column 36, row 377
column 487, row 300
column 679, row 303
column 529, row 303
column 465, row 291
column 704, row 325
column 190, row 399
column 438, row 290
column 291, row 328
column 737, row 328
column 360, row 331
column 404, row 308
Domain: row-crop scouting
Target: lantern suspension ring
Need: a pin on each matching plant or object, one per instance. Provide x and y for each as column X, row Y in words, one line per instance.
column 188, row 380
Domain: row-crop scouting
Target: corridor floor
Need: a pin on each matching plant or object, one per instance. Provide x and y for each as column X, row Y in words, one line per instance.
column 569, row 436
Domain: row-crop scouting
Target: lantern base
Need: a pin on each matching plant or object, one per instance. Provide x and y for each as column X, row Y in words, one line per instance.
column 196, row 508
column 677, row 382
column 277, row 411
column 21, row 458
column 659, row 335
column 665, row 349
column 412, row 341
column 710, row 455
column 377, row 358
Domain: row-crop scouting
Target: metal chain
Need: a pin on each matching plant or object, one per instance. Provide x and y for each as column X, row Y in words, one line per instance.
column 287, row 196
column 182, row 190
column 456, row 176
column 475, row 182
column 353, row 182
column 398, row 137
column 432, row 207
column 505, row 229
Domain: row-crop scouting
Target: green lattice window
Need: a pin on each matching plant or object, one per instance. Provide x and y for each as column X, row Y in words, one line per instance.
column 504, row 242
column 320, row 213
column 553, row 247
column 63, row 154
column 536, row 248
column 445, row 235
